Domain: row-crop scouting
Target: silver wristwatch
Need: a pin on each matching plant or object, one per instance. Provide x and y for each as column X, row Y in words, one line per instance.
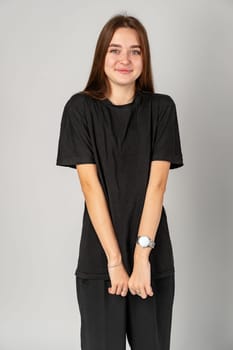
column 145, row 241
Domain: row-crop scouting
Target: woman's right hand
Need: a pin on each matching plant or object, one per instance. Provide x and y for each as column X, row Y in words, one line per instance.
column 119, row 279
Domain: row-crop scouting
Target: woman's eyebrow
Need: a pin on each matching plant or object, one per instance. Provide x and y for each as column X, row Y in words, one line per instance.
column 117, row 45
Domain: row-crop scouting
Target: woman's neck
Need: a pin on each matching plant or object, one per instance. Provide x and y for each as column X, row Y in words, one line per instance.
column 122, row 95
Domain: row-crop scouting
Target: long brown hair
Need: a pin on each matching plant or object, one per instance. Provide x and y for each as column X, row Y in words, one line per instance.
column 98, row 85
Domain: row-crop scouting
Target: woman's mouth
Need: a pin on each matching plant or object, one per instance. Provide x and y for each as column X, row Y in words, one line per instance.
column 124, row 71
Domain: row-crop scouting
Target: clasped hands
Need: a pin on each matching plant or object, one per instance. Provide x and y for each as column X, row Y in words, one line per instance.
column 138, row 283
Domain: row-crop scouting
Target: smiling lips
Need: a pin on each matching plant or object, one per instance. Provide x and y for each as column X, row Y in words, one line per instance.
column 124, row 71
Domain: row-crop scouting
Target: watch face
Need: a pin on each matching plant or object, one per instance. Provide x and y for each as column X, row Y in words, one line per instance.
column 144, row 241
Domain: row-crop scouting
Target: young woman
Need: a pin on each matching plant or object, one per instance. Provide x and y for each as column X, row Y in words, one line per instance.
column 123, row 138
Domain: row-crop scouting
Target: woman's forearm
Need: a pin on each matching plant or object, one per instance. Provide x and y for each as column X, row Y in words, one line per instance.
column 150, row 218
column 140, row 279
column 101, row 220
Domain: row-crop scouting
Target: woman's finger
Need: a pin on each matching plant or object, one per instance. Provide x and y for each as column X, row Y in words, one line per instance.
column 112, row 289
column 132, row 291
column 119, row 289
column 142, row 293
column 124, row 292
column 149, row 291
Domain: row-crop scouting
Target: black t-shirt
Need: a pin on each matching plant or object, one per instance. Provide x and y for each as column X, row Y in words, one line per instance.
column 121, row 140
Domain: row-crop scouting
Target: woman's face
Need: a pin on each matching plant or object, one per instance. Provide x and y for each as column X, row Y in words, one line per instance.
column 123, row 60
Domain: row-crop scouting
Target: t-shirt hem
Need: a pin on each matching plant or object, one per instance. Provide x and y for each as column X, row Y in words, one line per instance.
column 86, row 275
column 163, row 274
column 105, row 276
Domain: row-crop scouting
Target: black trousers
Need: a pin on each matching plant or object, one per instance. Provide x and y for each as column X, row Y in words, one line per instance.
column 107, row 319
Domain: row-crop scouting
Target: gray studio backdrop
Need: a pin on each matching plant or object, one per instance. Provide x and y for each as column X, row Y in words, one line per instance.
column 46, row 53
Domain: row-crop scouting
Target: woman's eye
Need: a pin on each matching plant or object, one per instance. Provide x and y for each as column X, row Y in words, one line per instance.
column 136, row 52
column 114, row 51
column 132, row 52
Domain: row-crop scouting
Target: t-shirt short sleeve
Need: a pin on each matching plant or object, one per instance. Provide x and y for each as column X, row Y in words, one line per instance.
column 74, row 145
column 166, row 143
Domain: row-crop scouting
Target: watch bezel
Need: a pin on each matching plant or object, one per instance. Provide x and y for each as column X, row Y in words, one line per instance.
column 145, row 241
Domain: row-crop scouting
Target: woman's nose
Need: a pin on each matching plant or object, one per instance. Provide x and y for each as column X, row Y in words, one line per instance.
column 124, row 57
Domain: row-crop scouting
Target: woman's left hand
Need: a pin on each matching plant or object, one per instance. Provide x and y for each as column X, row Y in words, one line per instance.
column 140, row 279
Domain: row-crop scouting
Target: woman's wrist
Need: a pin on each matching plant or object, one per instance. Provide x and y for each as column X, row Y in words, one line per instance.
column 110, row 266
column 114, row 259
column 141, row 253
